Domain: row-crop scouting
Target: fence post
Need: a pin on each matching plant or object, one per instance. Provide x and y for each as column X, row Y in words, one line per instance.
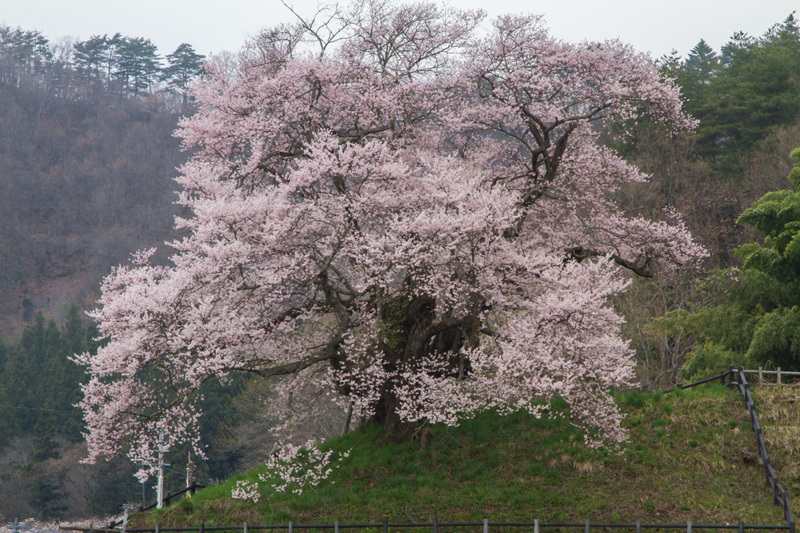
column 486, row 525
column 536, row 525
column 201, row 528
column 779, row 375
column 245, row 528
column 688, row 526
column 587, row 528
column 335, row 526
column 638, row 527
column 741, row 524
column 435, row 525
column 385, row 526
column 291, row 527
column 158, row 528
column 760, row 377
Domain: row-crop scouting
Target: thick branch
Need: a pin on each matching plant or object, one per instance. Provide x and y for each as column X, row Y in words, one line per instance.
column 642, row 265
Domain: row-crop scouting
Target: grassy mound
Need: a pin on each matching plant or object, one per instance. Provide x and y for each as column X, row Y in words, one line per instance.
column 691, row 456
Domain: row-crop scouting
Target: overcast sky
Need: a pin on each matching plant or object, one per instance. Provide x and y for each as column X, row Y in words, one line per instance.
column 657, row 26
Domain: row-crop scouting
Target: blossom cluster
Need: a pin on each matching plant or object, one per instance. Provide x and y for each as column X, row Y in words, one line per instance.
column 292, row 468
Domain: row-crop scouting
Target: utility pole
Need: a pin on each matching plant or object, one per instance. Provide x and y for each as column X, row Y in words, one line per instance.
column 160, row 487
column 189, row 472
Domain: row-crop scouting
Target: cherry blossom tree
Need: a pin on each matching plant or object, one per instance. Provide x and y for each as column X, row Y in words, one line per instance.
column 395, row 207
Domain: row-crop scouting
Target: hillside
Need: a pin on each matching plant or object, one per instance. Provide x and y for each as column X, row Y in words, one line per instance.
column 82, row 186
column 691, row 456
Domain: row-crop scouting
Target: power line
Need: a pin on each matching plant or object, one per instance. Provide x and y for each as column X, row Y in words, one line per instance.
column 38, row 408
column 70, row 484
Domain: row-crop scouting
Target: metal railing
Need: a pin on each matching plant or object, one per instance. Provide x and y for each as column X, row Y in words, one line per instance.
column 167, row 501
column 736, row 378
column 485, row 526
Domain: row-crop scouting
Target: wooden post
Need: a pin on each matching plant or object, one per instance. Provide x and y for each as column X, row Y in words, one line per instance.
column 347, row 418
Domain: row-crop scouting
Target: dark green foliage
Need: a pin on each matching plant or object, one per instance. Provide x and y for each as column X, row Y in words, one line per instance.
column 742, row 94
column 137, row 65
column 91, row 58
column 753, row 316
column 48, row 501
column 39, row 385
column 185, row 65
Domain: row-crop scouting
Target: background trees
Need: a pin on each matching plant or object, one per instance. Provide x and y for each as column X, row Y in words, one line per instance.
column 739, row 96
column 751, row 314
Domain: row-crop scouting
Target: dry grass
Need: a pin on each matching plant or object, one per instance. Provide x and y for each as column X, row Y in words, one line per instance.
column 779, row 414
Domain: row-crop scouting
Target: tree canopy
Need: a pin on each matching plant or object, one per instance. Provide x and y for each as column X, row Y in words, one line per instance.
column 390, row 207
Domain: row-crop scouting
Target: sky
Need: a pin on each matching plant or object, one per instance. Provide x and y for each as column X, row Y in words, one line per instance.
column 655, row 26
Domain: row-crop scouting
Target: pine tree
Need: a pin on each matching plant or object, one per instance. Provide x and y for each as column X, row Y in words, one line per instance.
column 90, row 57
column 137, row 65
column 185, row 65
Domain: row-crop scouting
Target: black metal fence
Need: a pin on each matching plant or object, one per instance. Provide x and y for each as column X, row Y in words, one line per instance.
column 485, row 526
column 736, row 378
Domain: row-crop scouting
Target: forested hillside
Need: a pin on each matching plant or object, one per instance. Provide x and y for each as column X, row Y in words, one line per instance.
column 87, row 161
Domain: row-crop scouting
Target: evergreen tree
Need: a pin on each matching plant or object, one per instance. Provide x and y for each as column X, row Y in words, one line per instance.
column 735, row 49
column 138, row 64
column 702, row 62
column 90, row 57
column 184, row 66
column 23, row 54
column 744, row 94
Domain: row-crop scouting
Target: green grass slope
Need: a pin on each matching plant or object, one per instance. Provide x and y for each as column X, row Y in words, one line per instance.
column 691, row 456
